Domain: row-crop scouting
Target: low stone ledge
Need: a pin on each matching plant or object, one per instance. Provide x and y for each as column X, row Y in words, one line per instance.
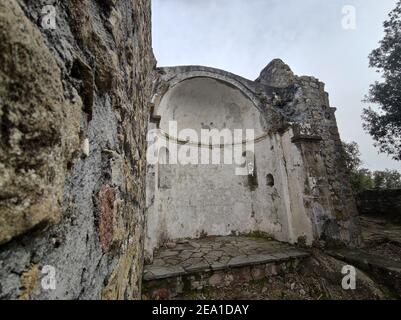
column 174, row 286
column 152, row 272
column 155, row 272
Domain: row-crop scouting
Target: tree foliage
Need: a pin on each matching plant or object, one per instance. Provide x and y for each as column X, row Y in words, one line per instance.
column 388, row 179
column 364, row 179
column 352, row 156
column 384, row 125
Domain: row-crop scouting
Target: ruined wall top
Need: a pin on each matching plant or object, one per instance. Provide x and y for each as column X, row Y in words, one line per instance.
column 275, row 92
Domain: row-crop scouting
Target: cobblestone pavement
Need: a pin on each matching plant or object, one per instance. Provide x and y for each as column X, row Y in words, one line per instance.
column 216, row 253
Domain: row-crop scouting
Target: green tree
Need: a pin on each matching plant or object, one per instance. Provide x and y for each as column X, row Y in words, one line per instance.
column 379, row 180
column 384, row 125
column 352, row 155
column 360, row 178
column 388, row 179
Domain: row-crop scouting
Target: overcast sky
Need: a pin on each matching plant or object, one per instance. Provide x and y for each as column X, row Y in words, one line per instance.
column 243, row 36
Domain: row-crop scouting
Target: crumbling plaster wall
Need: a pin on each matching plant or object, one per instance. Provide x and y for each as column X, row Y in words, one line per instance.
column 301, row 150
column 328, row 195
column 74, row 112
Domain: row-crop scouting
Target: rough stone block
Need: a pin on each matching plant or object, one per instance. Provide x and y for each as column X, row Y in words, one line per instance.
column 272, row 269
column 258, row 272
column 216, row 280
column 165, row 272
column 242, row 275
column 40, row 127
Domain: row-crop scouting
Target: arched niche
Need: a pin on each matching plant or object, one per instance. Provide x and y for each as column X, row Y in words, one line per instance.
column 208, row 103
column 197, row 199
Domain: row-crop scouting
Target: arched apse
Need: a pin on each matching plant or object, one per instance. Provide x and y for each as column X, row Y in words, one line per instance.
column 206, row 103
column 199, row 199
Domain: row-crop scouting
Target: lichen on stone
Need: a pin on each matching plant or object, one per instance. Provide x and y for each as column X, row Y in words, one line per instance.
column 39, row 127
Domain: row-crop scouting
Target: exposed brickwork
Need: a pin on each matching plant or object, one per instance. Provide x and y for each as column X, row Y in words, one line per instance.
column 106, row 198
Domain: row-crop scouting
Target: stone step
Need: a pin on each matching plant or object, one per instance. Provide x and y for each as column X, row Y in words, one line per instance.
column 216, row 262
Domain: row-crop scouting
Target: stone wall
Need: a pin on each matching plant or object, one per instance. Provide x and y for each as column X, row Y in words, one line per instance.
column 73, row 118
column 303, row 102
column 381, row 203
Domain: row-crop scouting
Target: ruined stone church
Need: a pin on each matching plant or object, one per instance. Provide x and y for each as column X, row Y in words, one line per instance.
column 77, row 193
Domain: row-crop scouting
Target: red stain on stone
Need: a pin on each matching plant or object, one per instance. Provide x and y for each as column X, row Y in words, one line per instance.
column 106, row 197
column 161, row 294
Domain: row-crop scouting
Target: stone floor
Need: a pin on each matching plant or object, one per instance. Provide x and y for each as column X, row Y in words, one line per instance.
column 217, row 253
column 376, row 229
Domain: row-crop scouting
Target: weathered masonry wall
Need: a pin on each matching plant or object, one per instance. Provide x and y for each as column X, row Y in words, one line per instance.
column 73, row 117
column 380, row 203
column 294, row 194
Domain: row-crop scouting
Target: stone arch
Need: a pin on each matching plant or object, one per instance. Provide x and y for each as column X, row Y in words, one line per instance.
column 193, row 199
column 207, row 98
column 228, row 80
